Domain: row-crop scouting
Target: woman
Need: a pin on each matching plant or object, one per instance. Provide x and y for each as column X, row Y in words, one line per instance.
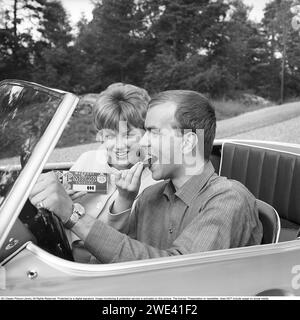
column 119, row 116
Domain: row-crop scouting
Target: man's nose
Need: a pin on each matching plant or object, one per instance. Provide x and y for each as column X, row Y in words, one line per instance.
column 145, row 140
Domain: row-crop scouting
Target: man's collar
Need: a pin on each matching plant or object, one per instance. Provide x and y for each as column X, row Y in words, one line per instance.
column 192, row 187
column 169, row 190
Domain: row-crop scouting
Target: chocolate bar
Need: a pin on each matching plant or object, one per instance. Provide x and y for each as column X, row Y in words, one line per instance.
column 83, row 181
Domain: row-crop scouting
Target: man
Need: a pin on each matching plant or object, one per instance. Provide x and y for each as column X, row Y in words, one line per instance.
column 193, row 210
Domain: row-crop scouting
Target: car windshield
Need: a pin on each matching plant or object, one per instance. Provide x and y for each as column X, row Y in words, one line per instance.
column 25, row 112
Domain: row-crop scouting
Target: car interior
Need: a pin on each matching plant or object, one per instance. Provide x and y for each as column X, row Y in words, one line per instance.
column 272, row 176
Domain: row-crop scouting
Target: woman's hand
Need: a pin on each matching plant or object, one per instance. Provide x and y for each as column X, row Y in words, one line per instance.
column 128, row 184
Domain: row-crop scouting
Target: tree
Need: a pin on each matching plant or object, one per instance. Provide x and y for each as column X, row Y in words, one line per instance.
column 112, row 43
column 16, row 40
column 185, row 33
column 197, row 46
column 53, row 57
column 240, row 51
column 183, row 27
column 284, row 49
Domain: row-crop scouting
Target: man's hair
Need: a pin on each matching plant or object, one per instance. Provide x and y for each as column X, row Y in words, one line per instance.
column 194, row 111
column 121, row 102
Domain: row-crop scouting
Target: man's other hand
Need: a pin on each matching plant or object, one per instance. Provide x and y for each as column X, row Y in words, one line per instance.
column 49, row 193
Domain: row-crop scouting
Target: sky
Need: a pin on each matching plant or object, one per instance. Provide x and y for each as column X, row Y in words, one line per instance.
column 76, row 7
column 258, row 7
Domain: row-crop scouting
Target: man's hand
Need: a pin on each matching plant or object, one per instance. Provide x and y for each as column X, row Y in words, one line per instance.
column 49, row 193
column 128, row 184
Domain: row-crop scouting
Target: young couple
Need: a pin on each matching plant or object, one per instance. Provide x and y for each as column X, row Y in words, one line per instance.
column 176, row 205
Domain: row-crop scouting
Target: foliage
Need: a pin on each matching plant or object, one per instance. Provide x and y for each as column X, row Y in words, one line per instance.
column 206, row 45
column 112, row 43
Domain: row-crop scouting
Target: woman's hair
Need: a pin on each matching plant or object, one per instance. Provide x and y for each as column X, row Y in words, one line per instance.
column 121, row 102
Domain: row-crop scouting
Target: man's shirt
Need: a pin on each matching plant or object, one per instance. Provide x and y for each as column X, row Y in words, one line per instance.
column 207, row 213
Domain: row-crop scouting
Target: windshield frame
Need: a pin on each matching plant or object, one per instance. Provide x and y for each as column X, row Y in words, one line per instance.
column 19, row 193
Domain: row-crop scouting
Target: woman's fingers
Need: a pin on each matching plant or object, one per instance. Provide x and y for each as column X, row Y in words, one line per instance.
column 130, row 174
column 118, row 175
column 129, row 180
column 137, row 175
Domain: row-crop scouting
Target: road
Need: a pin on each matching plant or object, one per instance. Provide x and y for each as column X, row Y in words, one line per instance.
column 285, row 131
column 280, row 123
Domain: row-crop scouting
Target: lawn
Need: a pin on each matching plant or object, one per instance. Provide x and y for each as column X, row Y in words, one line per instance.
column 229, row 109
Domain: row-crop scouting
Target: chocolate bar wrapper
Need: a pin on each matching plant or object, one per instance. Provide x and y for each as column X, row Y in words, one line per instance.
column 83, row 181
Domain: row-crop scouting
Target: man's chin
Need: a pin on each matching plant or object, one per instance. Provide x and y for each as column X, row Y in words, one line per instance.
column 157, row 174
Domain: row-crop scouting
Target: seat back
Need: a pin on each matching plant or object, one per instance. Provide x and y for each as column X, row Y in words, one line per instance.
column 270, row 221
column 272, row 176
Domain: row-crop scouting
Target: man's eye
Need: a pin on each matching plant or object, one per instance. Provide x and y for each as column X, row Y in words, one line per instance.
column 155, row 131
column 131, row 135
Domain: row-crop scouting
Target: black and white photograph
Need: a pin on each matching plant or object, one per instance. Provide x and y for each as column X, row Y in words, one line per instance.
column 150, row 149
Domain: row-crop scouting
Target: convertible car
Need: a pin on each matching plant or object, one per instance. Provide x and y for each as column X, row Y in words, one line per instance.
column 35, row 256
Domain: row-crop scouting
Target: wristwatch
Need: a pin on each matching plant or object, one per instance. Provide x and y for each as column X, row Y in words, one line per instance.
column 78, row 212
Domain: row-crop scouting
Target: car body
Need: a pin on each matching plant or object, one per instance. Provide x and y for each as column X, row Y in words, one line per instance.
column 30, row 267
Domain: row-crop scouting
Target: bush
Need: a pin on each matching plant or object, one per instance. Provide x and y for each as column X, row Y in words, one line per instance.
column 167, row 73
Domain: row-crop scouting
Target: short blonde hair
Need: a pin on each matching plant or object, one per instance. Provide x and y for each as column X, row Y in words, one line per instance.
column 121, row 102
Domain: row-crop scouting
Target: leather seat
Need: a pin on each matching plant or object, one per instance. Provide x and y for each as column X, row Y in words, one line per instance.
column 270, row 221
column 272, row 176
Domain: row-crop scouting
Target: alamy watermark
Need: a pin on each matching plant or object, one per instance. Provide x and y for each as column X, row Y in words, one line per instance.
column 296, row 278
column 164, row 146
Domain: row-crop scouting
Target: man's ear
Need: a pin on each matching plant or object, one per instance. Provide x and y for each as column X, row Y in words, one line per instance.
column 189, row 142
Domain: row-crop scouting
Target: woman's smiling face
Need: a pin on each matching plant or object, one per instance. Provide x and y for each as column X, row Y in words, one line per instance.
column 119, row 115
column 122, row 146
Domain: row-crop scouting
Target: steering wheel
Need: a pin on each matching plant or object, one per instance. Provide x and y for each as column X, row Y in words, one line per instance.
column 37, row 225
column 48, row 230
column 41, row 227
